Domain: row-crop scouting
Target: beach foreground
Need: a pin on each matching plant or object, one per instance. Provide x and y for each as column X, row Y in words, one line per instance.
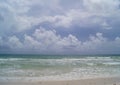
column 91, row 81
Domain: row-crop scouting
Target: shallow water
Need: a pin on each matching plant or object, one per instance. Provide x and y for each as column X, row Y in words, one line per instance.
column 33, row 67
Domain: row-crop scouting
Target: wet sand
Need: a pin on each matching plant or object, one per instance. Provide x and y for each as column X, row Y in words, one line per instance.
column 90, row 81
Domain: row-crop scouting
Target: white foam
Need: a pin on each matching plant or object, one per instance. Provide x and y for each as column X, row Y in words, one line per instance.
column 112, row 63
column 11, row 59
column 78, row 68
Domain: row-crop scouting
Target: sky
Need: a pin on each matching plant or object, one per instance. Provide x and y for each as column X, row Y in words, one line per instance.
column 60, row 26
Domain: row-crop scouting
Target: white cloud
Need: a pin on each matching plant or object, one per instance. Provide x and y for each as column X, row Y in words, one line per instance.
column 49, row 41
column 102, row 6
column 23, row 23
column 16, row 13
column 94, row 12
column 24, row 14
column 31, row 43
column 19, row 6
column 44, row 40
column 7, row 16
column 9, row 11
column 14, row 43
column 94, row 42
column 69, row 42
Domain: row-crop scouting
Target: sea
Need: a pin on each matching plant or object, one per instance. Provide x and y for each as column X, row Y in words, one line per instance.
column 57, row 67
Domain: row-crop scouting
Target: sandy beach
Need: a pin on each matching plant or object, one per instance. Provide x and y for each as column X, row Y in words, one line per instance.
column 91, row 81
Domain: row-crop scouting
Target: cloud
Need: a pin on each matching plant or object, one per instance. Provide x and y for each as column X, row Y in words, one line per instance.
column 92, row 13
column 6, row 17
column 48, row 41
column 31, row 44
column 94, row 42
column 43, row 41
column 14, row 43
column 13, row 13
column 106, row 26
column 61, row 25
column 24, row 15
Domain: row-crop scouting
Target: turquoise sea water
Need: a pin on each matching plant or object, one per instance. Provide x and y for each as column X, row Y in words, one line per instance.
column 35, row 67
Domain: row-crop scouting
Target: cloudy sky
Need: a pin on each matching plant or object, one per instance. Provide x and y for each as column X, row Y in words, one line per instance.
column 60, row 26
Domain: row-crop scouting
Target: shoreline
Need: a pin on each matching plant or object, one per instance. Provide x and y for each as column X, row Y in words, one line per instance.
column 89, row 81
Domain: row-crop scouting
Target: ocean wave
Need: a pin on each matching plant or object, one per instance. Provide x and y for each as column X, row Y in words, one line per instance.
column 63, row 68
